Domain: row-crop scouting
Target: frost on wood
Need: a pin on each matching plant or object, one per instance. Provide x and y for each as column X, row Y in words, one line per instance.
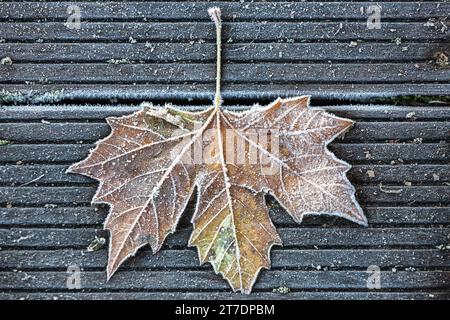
column 147, row 175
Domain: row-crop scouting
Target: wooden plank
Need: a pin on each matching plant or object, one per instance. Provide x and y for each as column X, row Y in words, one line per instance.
column 17, row 175
column 256, row 295
column 95, row 216
column 366, row 194
column 185, row 259
column 101, row 111
column 242, row 73
column 361, row 131
column 156, row 11
column 51, row 93
column 331, row 237
column 265, row 41
column 392, row 152
column 364, row 152
column 205, row 52
column 238, row 31
column 189, row 280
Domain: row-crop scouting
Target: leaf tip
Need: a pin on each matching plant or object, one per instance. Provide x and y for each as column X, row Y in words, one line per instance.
column 214, row 13
column 72, row 168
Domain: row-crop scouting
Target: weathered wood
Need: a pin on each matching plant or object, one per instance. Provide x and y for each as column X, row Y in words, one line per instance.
column 361, row 131
column 50, row 93
column 185, row 259
column 234, row 11
column 189, row 280
column 380, row 152
column 256, row 295
column 205, row 52
column 17, row 175
column 241, row 73
column 238, row 31
column 271, row 49
column 95, row 216
column 331, row 237
column 366, row 194
column 101, row 111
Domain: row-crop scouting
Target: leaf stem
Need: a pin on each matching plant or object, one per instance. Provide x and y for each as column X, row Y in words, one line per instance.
column 215, row 16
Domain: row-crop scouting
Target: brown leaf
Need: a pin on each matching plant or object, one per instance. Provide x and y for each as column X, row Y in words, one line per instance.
column 153, row 159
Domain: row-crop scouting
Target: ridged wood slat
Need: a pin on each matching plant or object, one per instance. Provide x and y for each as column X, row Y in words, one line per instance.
column 237, row 31
column 361, row 131
column 240, row 73
column 361, row 152
column 185, row 259
column 366, row 194
column 189, row 280
column 18, row 175
column 102, row 111
column 204, row 52
column 163, row 295
column 58, row 90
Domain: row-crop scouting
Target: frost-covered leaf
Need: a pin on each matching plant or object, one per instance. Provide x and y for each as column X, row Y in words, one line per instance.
column 153, row 159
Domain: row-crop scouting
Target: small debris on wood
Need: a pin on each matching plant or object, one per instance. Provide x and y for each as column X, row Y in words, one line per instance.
column 4, row 142
column 132, row 40
column 408, row 183
column 441, row 59
column 26, row 277
column 96, row 244
column 418, row 140
column 8, row 205
column 436, row 177
column 353, row 44
column 6, row 61
column 371, row 173
column 411, row 115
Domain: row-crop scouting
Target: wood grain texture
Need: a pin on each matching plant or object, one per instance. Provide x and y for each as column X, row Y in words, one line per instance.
column 407, row 229
column 233, row 11
column 168, row 280
column 289, row 48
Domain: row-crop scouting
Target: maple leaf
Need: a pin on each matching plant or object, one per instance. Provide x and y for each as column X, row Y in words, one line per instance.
column 152, row 161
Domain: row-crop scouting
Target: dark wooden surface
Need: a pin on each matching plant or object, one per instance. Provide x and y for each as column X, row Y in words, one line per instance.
column 49, row 222
column 271, row 48
column 56, row 94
